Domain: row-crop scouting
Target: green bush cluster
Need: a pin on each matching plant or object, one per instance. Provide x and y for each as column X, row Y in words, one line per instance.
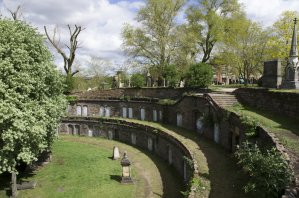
column 269, row 172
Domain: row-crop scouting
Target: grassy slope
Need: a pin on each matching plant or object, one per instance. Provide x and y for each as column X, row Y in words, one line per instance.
column 285, row 129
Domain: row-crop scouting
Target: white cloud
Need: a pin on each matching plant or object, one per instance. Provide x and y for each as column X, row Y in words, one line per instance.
column 268, row 11
column 101, row 19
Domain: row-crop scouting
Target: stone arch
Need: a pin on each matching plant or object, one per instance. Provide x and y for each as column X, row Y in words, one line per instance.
column 70, row 129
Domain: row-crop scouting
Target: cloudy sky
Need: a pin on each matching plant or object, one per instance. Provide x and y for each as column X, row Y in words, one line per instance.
column 104, row 19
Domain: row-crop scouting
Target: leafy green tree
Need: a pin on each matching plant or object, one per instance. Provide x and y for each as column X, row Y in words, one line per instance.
column 199, row 75
column 31, row 96
column 137, row 80
column 155, row 42
column 207, row 18
column 171, row 75
column 269, row 172
column 281, row 35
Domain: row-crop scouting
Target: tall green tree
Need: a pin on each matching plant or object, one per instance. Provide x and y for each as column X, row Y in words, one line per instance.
column 244, row 47
column 281, row 35
column 199, row 75
column 31, row 96
column 208, row 18
column 155, row 42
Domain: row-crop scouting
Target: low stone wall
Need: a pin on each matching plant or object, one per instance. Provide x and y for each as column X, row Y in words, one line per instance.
column 161, row 92
column 280, row 102
column 146, row 137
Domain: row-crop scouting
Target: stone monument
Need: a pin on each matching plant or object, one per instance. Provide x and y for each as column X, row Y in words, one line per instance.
column 115, row 153
column 291, row 80
column 272, row 74
column 126, row 170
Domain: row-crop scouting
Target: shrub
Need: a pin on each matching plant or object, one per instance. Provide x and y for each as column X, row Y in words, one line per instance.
column 137, row 80
column 199, row 75
column 269, row 172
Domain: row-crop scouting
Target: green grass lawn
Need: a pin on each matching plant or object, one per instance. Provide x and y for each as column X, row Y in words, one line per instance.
column 286, row 129
column 82, row 167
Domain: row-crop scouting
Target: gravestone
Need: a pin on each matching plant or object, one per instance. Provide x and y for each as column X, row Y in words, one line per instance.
column 133, row 138
column 124, row 112
column 160, row 115
column 272, row 77
column 142, row 114
column 84, row 113
column 110, row 135
column 150, row 143
column 79, row 110
column 107, row 112
column 216, row 132
column 155, row 115
column 90, row 133
column 102, row 112
column 179, row 119
column 199, row 124
column 169, row 155
column 130, row 113
column 115, row 153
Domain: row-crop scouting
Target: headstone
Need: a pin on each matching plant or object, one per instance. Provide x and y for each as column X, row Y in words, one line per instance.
column 133, row 138
column 199, row 124
column 169, row 155
column 130, row 112
column 148, row 80
column 216, row 132
column 102, row 112
column 107, row 112
column 160, row 115
column 84, row 113
column 155, row 115
column 124, row 112
column 79, row 110
column 126, row 170
column 150, row 144
column 90, row 133
column 115, row 153
column 142, row 114
column 272, row 74
column 179, row 119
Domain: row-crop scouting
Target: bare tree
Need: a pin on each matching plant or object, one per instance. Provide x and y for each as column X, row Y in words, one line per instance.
column 72, row 47
column 17, row 13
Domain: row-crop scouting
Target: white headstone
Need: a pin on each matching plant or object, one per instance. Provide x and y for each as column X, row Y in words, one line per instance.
column 124, row 109
column 199, row 124
column 179, row 119
column 84, row 111
column 150, row 144
column 107, row 111
column 130, row 112
column 102, row 112
column 142, row 114
column 133, row 138
column 79, row 110
column 115, row 153
column 90, row 133
column 160, row 115
column 155, row 115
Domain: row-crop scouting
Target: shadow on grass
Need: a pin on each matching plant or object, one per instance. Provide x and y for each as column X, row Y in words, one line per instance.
column 115, row 178
column 284, row 122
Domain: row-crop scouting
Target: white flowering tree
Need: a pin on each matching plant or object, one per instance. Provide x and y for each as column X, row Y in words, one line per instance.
column 31, row 99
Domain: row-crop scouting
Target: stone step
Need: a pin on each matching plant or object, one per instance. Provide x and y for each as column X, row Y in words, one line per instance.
column 223, row 100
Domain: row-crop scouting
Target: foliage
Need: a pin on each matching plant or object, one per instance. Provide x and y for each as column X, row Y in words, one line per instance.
column 208, row 19
column 71, row 99
column 208, row 120
column 31, row 97
column 69, row 84
column 269, row 172
column 137, row 80
column 171, row 75
column 250, row 124
column 244, row 47
column 280, row 39
column 155, row 42
column 167, row 102
column 199, row 75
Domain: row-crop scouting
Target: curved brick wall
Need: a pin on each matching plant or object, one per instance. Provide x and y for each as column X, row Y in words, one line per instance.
column 146, row 137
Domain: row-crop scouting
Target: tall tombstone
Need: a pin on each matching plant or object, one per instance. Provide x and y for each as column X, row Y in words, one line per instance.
column 148, row 80
column 199, row 124
column 115, row 153
column 150, row 144
column 272, row 76
column 179, row 119
column 142, row 114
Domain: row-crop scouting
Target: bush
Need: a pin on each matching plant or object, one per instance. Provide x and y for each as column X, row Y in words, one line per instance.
column 137, row 80
column 269, row 172
column 199, row 75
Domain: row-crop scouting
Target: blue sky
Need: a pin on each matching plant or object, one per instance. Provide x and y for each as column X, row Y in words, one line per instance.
column 104, row 19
